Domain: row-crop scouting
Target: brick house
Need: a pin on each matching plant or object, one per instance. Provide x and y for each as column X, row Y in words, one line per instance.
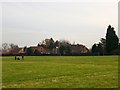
column 39, row 49
column 79, row 49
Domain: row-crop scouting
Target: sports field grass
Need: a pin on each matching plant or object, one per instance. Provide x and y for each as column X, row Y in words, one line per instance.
column 60, row 72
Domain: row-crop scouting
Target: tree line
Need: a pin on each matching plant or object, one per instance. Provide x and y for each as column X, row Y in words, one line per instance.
column 107, row 46
column 52, row 47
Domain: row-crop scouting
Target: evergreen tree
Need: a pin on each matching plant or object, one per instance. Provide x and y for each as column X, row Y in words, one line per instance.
column 94, row 48
column 30, row 51
column 62, row 49
column 51, row 44
column 99, row 48
column 103, row 45
column 112, row 40
column 57, row 43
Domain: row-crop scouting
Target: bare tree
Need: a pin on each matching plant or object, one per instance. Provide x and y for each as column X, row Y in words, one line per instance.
column 13, row 45
column 5, row 47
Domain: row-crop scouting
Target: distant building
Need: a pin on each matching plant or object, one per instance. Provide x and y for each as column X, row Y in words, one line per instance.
column 79, row 49
column 14, row 51
column 39, row 49
column 47, row 42
column 42, row 49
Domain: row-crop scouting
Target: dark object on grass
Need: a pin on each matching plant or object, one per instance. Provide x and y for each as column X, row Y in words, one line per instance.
column 22, row 57
column 15, row 57
column 18, row 58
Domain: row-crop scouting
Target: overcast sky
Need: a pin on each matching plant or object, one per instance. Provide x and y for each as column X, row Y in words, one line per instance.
column 27, row 23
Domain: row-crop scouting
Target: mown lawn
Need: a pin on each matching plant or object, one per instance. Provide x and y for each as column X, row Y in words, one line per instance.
column 60, row 72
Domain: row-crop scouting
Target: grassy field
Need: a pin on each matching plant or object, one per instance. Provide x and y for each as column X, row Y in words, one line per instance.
column 60, row 72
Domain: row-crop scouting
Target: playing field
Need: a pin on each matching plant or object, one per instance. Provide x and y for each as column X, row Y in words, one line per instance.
column 60, row 72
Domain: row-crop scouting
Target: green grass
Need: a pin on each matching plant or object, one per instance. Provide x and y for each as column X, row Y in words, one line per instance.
column 60, row 72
